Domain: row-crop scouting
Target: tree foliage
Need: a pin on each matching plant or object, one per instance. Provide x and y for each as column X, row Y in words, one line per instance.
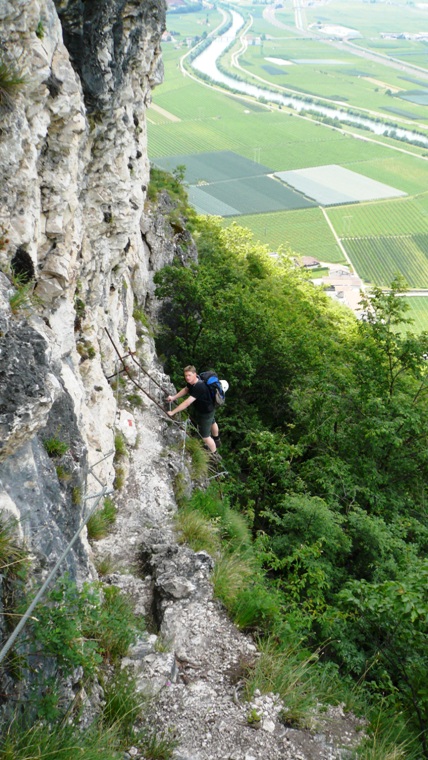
column 326, row 423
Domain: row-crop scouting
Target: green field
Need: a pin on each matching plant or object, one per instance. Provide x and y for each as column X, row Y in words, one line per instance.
column 370, row 19
column 210, row 120
column 303, row 232
column 408, row 51
column 192, row 24
column 313, row 72
column 401, row 216
column 418, row 312
column 261, row 194
column 379, row 259
column 213, row 167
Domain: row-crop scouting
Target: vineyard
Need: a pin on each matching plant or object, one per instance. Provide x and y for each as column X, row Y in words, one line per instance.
column 303, row 232
column 379, row 259
column 418, row 312
column 404, row 216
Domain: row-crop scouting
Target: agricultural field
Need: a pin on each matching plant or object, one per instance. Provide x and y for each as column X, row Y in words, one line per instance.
column 320, row 70
column 252, row 195
column 403, row 216
column 304, row 233
column 333, row 185
column 202, row 168
column 408, row 51
column 193, row 24
column 378, row 259
column 369, row 19
column 418, row 311
column 195, row 121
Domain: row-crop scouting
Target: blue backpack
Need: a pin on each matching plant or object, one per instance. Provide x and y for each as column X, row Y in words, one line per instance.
column 216, row 387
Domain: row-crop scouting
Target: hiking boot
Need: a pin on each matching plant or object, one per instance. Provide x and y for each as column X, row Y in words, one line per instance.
column 215, row 456
column 217, row 441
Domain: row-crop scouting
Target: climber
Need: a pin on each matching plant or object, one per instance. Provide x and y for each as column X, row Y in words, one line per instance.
column 202, row 411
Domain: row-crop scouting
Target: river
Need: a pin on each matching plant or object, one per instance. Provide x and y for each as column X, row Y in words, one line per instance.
column 206, row 63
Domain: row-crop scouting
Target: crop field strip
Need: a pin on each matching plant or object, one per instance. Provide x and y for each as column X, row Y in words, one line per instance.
column 332, row 184
column 379, row 259
column 402, row 216
column 351, row 14
column 408, row 173
column 304, row 231
column 215, row 122
column 214, row 166
column 318, row 77
column 260, row 194
column 279, row 140
column 418, row 311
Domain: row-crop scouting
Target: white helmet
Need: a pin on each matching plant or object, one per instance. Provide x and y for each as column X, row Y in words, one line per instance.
column 225, row 385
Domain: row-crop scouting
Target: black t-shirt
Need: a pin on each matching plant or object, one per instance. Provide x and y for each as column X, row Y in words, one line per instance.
column 203, row 403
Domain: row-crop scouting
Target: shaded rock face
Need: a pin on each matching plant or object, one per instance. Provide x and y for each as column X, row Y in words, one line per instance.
column 28, row 386
column 106, row 39
column 74, row 172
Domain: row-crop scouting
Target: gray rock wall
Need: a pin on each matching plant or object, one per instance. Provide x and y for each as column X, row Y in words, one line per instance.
column 74, row 172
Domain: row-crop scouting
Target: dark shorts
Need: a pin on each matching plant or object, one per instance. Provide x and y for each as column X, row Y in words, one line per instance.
column 203, row 421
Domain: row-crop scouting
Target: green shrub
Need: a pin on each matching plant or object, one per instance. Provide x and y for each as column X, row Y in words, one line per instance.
column 104, row 566
column 119, row 479
column 116, row 627
column 180, row 489
column 21, row 299
column 135, row 399
column 256, row 607
column 84, row 628
column 63, row 474
column 235, row 530
column 158, row 745
column 13, row 557
column 14, row 565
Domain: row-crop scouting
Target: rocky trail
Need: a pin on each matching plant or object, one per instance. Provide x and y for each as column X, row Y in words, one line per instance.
column 192, row 666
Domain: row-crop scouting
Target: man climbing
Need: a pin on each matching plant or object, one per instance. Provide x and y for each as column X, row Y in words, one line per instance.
column 202, row 411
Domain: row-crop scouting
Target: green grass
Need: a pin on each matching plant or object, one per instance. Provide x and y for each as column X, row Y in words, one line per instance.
column 197, row 531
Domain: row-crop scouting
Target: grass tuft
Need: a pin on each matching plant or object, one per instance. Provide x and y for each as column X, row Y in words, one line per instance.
column 10, row 82
column 54, row 447
column 101, row 521
column 199, row 458
column 197, row 531
column 288, row 673
column 232, row 573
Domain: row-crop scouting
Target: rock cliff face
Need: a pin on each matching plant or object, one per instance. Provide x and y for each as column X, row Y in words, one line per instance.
column 75, row 223
column 74, row 173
